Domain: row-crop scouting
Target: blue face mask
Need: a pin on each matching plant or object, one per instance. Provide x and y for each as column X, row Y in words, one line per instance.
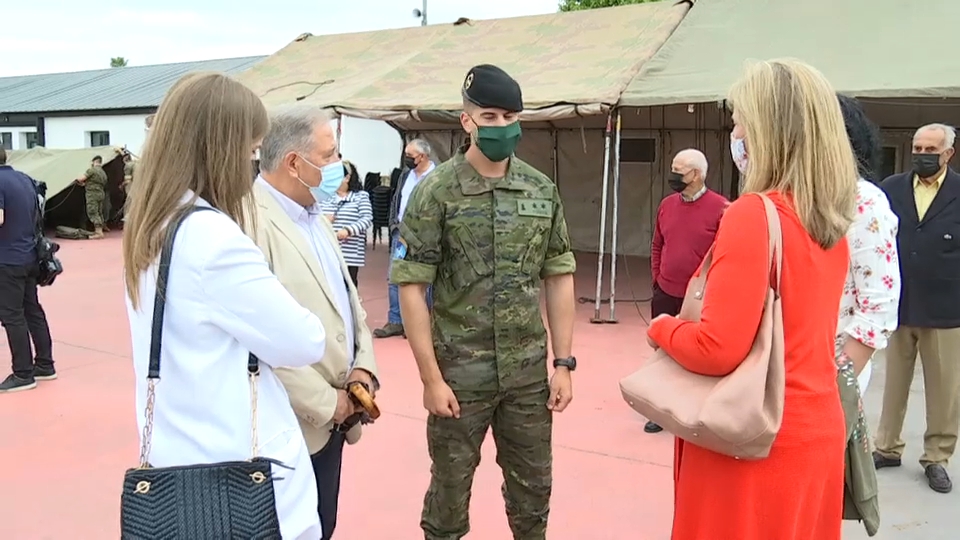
column 331, row 177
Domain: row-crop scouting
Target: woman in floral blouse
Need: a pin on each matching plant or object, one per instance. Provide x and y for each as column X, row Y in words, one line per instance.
column 868, row 311
column 871, row 297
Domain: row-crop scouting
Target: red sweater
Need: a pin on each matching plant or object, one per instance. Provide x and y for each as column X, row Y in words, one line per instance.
column 683, row 234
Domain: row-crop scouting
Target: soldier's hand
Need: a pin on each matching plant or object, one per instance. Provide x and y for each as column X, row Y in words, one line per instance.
column 439, row 400
column 345, row 407
column 561, row 390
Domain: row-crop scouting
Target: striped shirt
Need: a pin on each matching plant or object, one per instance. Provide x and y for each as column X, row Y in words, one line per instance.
column 354, row 214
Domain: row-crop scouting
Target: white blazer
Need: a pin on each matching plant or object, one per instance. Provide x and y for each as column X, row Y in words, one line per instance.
column 222, row 303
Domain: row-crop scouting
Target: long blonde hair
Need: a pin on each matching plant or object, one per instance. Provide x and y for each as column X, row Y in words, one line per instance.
column 798, row 145
column 202, row 139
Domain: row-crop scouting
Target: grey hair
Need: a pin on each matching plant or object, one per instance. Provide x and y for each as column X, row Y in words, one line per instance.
column 291, row 130
column 949, row 133
column 422, row 146
column 696, row 160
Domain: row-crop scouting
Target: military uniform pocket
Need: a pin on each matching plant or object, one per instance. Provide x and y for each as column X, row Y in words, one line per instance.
column 468, row 264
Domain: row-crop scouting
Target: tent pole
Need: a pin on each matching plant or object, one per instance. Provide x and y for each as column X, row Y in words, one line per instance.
column 603, row 218
column 616, row 222
column 556, row 159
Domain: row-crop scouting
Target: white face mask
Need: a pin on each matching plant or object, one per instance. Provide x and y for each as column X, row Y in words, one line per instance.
column 738, row 149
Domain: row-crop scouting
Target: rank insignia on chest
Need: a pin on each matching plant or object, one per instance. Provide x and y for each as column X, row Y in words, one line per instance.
column 535, row 208
column 400, row 251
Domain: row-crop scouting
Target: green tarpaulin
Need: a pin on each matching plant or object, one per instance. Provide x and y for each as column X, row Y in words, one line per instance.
column 866, row 48
column 58, row 168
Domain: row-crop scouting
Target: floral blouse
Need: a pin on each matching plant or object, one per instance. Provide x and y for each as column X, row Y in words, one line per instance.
column 870, row 304
column 869, row 307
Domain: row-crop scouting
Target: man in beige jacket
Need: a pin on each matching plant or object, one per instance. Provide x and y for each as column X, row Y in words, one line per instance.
column 300, row 166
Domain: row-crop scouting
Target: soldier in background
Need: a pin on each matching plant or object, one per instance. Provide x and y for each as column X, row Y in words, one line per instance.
column 94, row 182
column 128, row 169
column 484, row 229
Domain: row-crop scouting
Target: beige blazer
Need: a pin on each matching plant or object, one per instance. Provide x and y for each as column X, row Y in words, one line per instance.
column 312, row 389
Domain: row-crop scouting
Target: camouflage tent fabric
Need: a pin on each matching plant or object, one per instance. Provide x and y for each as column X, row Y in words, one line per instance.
column 858, row 44
column 568, row 64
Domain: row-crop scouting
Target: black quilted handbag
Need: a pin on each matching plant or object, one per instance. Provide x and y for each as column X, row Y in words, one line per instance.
column 217, row 501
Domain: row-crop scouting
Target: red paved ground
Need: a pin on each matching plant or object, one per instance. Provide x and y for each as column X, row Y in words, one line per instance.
column 67, row 444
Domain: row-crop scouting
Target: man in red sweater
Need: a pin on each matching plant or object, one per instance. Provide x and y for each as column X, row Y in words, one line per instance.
column 687, row 222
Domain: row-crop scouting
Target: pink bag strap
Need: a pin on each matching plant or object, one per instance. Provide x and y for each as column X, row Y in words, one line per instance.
column 774, row 246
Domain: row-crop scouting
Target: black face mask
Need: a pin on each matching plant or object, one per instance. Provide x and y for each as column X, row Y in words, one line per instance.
column 676, row 183
column 926, row 165
column 409, row 162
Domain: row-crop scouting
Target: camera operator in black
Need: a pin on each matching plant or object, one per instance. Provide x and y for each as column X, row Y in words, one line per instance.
column 20, row 311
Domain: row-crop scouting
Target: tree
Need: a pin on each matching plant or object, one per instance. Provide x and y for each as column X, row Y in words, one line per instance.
column 118, row 61
column 577, row 5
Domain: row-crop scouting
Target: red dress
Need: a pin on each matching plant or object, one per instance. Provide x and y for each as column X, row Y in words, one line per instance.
column 797, row 492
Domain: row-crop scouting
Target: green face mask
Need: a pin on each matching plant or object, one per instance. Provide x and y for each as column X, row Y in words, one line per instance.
column 497, row 143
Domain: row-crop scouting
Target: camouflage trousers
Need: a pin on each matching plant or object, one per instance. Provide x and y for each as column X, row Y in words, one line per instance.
column 522, row 430
column 94, row 198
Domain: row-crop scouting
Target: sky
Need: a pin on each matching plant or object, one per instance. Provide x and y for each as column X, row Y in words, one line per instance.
column 76, row 35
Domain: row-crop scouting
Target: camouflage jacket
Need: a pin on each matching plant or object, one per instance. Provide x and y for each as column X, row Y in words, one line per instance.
column 485, row 245
column 96, row 179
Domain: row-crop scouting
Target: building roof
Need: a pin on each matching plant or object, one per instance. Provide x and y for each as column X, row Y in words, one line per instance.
column 104, row 89
column 859, row 45
column 568, row 64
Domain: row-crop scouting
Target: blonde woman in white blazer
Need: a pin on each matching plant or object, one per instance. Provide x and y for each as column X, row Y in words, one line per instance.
column 222, row 300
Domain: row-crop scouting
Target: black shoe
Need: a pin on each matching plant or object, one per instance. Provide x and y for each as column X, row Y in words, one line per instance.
column 881, row 461
column 938, row 478
column 43, row 373
column 389, row 330
column 652, row 427
column 16, row 384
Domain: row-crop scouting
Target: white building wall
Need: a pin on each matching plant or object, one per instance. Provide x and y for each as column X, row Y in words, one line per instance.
column 74, row 131
column 372, row 145
column 18, row 136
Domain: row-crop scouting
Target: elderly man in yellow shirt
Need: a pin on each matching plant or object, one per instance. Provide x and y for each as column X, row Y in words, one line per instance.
column 927, row 201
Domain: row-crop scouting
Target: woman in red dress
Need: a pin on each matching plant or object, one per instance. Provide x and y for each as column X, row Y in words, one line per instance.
column 788, row 121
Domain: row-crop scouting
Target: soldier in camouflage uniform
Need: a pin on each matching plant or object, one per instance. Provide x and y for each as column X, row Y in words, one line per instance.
column 484, row 229
column 94, row 182
column 128, row 169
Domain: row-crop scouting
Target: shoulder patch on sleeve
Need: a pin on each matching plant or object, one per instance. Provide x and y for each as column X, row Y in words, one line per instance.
column 400, row 251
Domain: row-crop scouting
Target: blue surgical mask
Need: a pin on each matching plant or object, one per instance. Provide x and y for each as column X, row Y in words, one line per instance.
column 331, row 178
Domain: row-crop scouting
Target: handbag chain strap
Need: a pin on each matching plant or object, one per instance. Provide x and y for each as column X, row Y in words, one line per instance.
column 153, row 372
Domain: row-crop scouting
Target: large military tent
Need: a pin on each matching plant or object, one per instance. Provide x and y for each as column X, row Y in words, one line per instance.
column 58, row 169
column 572, row 67
column 679, row 60
column 860, row 45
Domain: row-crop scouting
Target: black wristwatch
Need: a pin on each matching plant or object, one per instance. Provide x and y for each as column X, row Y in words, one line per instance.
column 569, row 362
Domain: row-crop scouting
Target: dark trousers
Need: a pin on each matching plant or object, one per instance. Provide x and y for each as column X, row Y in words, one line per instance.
column 326, row 467
column 354, row 270
column 23, row 318
column 664, row 304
